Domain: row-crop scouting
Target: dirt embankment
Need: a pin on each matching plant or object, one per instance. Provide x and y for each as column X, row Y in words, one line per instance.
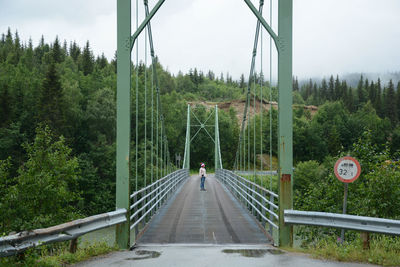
column 239, row 105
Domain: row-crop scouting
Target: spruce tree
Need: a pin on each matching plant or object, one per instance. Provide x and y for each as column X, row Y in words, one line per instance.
column 5, row 106
column 324, row 90
column 344, row 92
column 242, row 83
column 50, row 104
column 210, row 75
column 360, row 92
column 315, row 95
column 378, row 99
column 338, row 89
column 372, row 92
column 350, row 100
column 102, row 61
column 295, row 84
column 56, row 51
column 331, row 89
column 390, row 104
column 87, row 60
column 74, row 51
column 398, row 100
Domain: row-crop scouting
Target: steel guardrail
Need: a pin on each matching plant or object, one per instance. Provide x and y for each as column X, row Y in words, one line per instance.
column 16, row 243
column 343, row 221
column 252, row 196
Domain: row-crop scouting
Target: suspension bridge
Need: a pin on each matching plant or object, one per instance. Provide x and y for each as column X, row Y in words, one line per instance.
column 158, row 202
column 262, row 203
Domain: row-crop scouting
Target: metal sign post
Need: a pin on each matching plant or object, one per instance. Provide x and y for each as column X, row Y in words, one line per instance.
column 347, row 170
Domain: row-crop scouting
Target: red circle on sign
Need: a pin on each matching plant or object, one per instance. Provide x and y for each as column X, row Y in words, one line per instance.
column 339, row 161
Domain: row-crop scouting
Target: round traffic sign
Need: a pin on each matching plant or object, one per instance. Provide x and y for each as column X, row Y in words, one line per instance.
column 347, row 169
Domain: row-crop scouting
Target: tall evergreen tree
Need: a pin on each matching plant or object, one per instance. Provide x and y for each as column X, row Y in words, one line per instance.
column 331, row 89
column 324, row 90
column 338, row 89
column 378, row 99
column 372, row 92
column 210, row 75
column 74, row 51
column 295, row 84
column 390, row 104
column 344, row 92
column 5, row 105
column 315, row 95
column 350, row 103
column 361, row 92
column 50, row 105
column 242, row 83
column 87, row 60
column 102, row 61
column 56, row 51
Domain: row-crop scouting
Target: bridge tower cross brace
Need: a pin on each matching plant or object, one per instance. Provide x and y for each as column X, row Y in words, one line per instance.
column 217, row 158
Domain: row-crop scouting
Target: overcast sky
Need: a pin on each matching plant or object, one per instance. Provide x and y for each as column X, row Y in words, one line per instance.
column 329, row 36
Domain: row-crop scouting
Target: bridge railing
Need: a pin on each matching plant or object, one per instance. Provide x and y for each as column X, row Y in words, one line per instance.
column 260, row 201
column 149, row 199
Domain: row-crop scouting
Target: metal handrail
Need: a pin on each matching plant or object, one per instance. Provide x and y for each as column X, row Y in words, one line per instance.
column 152, row 207
column 254, row 184
column 251, row 195
column 259, row 212
column 151, row 200
column 158, row 193
column 150, row 185
column 152, row 192
column 263, row 189
column 14, row 244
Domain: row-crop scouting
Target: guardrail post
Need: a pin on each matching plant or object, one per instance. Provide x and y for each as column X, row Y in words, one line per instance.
column 123, row 118
column 365, row 240
column 73, row 245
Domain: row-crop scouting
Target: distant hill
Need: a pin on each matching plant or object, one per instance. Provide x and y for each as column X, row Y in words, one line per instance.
column 353, row 78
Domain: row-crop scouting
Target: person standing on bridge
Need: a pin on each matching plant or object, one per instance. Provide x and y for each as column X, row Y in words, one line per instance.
column 202, row 174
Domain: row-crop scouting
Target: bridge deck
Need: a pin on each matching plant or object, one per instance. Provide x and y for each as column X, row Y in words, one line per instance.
column 206, row 217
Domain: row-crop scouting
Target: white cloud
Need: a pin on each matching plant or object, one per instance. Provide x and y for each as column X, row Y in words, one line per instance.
column 330, row 36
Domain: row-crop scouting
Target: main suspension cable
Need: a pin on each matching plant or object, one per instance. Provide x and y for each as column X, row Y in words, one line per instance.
column 163, row 142
column 249, row 82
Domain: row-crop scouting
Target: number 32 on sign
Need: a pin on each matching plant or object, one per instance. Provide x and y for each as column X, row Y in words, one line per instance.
column 347, row 169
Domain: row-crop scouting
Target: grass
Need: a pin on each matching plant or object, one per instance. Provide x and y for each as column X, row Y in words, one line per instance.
column 56, row 255
column 384, row 250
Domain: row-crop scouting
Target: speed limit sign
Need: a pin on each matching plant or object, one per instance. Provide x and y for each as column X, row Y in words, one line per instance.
column 347, row 169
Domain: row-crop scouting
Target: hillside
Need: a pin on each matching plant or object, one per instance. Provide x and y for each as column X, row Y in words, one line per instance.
column 239, row 105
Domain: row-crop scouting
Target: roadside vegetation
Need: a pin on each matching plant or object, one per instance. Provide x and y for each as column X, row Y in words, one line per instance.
column 56, row 255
